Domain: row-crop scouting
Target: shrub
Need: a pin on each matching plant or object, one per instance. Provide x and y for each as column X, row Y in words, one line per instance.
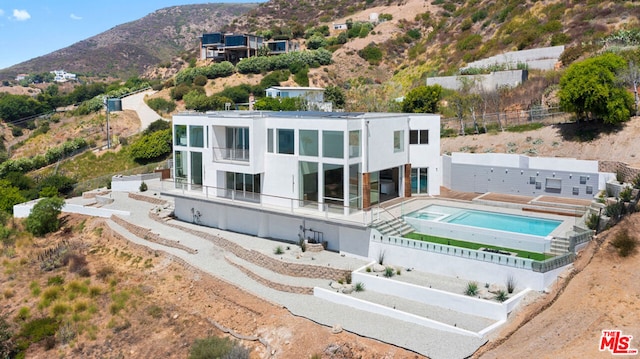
column 371, row 53
column 502, row 296
column 511, row 284
column 592, row 221
column 44, row 216
column 625, row 194
column 214, row 347
column 151, row 147
column 389, row 272
column 200, row 80
column 625, row 243
column 143, row 187
column 154, row 311
column 359, row 287
column 278, row 250
column 161, row 105
column 472, row 289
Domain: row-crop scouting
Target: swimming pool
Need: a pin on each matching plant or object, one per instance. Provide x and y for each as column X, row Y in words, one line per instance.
column 534, row 226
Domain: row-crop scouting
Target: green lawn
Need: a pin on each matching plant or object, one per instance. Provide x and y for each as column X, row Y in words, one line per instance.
column 476, row 246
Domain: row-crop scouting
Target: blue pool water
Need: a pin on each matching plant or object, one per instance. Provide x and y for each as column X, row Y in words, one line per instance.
column 490, row 220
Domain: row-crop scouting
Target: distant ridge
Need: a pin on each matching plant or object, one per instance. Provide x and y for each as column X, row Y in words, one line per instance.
column 128, row 49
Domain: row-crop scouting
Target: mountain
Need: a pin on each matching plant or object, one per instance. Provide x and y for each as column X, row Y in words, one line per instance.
column 130, row 48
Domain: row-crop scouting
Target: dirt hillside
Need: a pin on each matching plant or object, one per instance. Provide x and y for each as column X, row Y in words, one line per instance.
column 561, row 140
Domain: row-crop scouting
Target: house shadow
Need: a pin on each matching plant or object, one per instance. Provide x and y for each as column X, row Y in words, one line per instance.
column 586, row 131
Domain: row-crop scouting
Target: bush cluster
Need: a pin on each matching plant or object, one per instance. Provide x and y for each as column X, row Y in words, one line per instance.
column 24, row 164
column 259, row 64
column 215, row 70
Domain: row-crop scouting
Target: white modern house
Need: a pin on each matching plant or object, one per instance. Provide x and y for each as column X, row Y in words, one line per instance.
column 63, row 76
column 314, row 96
column 290, row 174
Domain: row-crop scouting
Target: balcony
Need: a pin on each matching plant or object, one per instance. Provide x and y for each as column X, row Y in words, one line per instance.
column 230, row 154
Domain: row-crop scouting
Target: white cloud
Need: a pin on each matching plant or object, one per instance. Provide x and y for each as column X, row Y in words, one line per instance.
column 1, row 12
column 21, row 15
column 75, row 17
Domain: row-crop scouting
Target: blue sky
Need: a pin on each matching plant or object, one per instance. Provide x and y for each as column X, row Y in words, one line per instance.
column 32, row 28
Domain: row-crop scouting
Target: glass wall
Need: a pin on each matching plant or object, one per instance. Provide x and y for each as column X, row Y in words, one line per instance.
column 308, row 181
column 180, row 132
column 374, row 182
column 333, row 144
column 309, row 143
column 196, row 168
column 196, row 136
column 237, row 143
column 286, row 141
column 355, row 189
column 243, row 186
column 180, row 171
column 354, row 144
column 333, row 184
column 419, row 180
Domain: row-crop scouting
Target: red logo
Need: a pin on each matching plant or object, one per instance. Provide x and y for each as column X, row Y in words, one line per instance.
column 617, row 343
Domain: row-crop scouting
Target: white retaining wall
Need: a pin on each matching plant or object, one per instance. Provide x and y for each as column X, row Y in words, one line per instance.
column 486, row 82
column 23, row 210
column 457, row 302
column 132, row 183
column 461, row 267
column 543, row 58
column 350, row 301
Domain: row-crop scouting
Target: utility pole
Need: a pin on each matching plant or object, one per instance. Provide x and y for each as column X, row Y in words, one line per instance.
column 106, row 102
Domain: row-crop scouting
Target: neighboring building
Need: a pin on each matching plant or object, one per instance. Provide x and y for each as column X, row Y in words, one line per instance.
column 340, row 27
column 279, row 168
column 229, row 47
column 21, row 77
column 522, row 175
column 314, row 96
column 63, row 76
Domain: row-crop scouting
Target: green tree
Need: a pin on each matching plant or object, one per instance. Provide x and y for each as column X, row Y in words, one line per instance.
column 9, row 196
column 151, row 147
column 44, row 216
column 335, row 95
column 316, row 41
column 590, row 90
column 422, row 99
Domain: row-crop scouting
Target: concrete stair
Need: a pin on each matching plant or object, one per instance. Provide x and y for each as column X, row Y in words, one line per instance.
column 559, row 246
column 393, row 227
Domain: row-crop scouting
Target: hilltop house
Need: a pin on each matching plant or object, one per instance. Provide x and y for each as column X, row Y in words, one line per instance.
column 234, row 47
column 63, row 76
column 229, row 47
column 292, row 170
column 314, row 96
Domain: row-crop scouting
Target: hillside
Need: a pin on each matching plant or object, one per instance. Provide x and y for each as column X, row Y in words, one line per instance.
column 128, row 49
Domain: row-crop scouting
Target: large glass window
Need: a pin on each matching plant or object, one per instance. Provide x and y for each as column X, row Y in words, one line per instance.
column 237, row 143
column 286, row 141
column 419, row 180
column 196, row 136
column 196, row 168
column 354, row 144
column 398, row 141
column 270, row 140
column 355, row 189
column 333, row 144
column 308, row 143
column 333, row 184
column 180, row 132
column 308, row 181
column 420, row 137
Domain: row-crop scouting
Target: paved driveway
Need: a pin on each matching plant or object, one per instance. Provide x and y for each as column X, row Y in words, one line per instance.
column 145, row 113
